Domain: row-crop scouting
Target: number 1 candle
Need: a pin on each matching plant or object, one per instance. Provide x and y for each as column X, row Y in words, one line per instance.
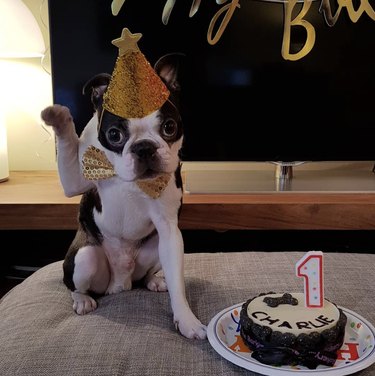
column 310, row 267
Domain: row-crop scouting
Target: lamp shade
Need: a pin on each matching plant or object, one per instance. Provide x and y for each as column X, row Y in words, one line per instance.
column 20, row 35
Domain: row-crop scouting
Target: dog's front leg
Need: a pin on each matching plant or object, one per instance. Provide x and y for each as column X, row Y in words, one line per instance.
column 120, row 254
column 171, row 254
column 72, row 180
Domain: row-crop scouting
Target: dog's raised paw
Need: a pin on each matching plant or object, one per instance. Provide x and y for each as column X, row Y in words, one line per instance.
column 57, row 116
column 83, row 303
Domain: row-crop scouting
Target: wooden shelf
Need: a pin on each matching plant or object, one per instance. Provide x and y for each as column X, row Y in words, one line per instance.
column 35, row 201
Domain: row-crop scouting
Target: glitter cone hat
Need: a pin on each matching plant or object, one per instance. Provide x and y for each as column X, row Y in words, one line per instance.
column 135, row 89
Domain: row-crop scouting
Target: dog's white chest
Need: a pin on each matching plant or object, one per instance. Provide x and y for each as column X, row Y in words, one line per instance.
column 124, row 213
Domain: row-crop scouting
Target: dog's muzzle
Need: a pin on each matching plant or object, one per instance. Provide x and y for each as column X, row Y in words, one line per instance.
column 144, row 150
column 146, row 157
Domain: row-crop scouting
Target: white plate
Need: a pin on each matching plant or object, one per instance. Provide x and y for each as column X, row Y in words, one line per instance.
column 224, row 336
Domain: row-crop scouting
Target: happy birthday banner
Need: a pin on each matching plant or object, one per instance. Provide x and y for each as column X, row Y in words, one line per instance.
column 229, row 7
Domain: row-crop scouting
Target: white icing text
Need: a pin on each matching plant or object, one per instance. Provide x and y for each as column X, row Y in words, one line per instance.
column 318, row 322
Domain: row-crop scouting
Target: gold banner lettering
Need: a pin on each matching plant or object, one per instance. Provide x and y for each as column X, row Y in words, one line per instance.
column 354, row 15
column 289, row 5
column 298, row 21
column 229, row 8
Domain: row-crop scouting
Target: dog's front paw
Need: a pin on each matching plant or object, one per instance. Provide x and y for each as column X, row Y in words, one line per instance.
column 156, row 283
column 57, row 116
column 116, row 287
column 83, row 303
column 191, row 327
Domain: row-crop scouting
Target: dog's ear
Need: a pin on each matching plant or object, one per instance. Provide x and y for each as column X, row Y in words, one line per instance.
column 96, row 86
column 168, row 67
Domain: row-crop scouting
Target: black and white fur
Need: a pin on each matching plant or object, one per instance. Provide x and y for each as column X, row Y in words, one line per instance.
column 124, row 235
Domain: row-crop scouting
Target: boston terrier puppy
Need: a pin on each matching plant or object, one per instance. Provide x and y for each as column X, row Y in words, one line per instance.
column 128, row 172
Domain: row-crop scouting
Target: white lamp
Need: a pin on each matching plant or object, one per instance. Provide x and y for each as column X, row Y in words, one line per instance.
column 20, row 37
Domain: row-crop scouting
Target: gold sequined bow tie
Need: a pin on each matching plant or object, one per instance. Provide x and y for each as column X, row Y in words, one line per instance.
column 96, row 166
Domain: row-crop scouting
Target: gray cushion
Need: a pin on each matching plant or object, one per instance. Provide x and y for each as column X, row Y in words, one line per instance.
column 132, row 333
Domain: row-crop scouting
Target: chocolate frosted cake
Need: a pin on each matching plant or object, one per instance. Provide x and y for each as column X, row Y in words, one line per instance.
column 282, row 331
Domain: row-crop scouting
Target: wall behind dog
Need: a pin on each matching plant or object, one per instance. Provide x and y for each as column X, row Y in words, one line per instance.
column 26, row 90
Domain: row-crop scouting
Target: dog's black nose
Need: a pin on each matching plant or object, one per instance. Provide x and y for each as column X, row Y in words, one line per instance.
column 144, row 149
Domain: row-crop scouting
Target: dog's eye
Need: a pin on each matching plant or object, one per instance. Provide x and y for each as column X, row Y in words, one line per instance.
column 115, row 136
column 169, row 129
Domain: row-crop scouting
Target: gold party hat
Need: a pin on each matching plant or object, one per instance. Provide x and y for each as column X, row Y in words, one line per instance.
column 135, row 90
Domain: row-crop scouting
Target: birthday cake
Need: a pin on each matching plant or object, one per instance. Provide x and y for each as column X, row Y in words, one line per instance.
column 281, row 330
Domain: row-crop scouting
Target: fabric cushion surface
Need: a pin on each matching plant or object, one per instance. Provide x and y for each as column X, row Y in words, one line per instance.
column 132, row 333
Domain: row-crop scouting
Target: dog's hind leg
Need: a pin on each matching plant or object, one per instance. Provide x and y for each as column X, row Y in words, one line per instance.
column 91, row 274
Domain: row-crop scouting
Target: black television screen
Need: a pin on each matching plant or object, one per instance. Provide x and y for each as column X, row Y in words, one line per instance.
column 241, row 99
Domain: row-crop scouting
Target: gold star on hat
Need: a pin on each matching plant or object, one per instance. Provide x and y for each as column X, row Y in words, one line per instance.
column 127, row 42
column 135, row 89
